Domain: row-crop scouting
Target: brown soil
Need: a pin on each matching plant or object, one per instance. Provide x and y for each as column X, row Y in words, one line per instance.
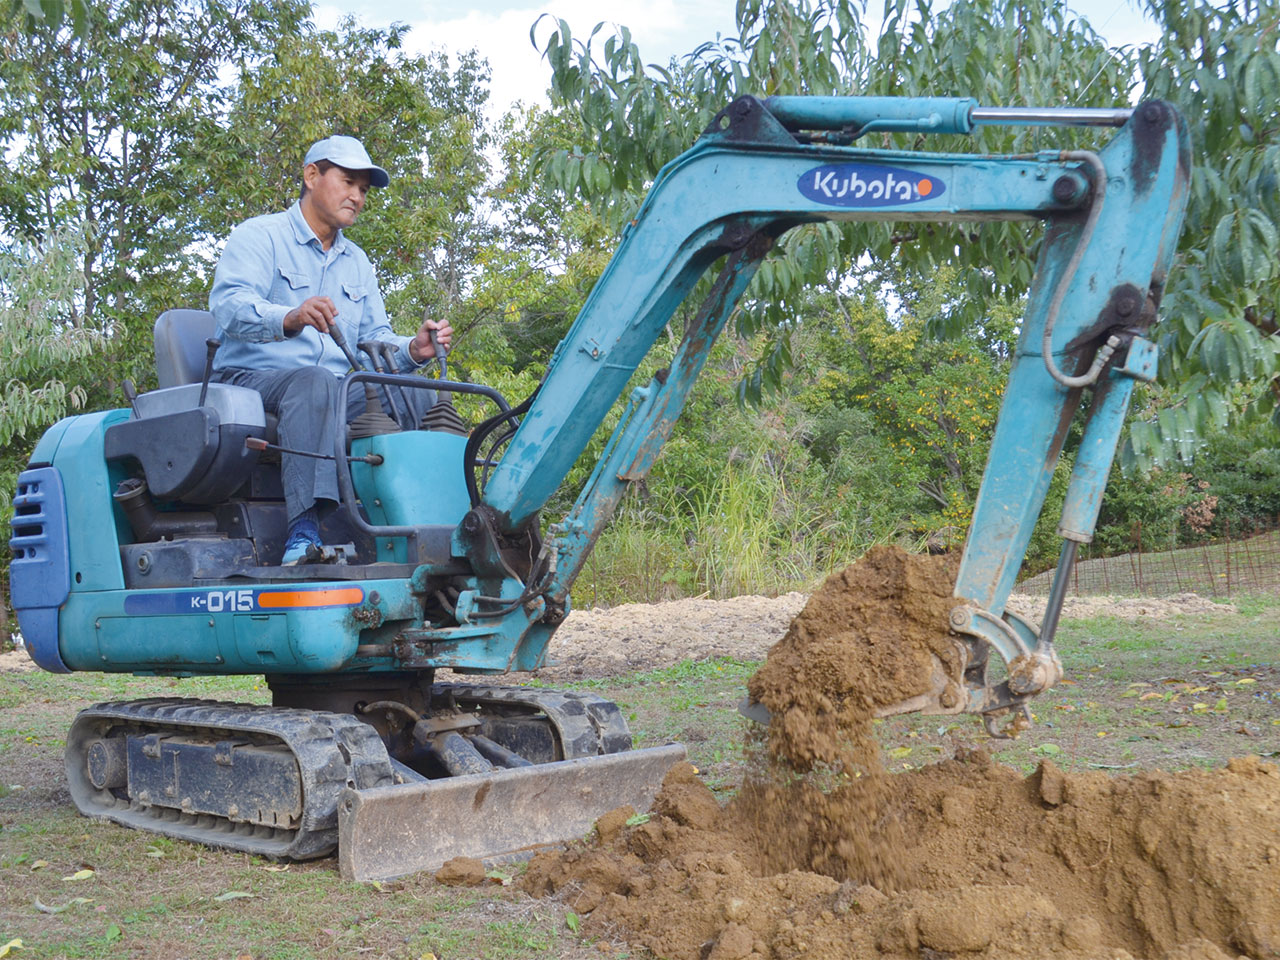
column 824, row 855
column 15, row 661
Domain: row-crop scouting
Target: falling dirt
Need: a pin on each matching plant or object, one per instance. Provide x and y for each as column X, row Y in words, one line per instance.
column 824, row 855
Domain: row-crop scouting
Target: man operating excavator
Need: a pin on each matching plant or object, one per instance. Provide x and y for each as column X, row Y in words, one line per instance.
column 284, row 280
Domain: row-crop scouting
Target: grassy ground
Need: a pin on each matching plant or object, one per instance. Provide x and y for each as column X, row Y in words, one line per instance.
column 1184, row 692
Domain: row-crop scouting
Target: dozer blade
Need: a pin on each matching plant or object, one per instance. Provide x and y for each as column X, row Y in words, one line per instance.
column 387, row 832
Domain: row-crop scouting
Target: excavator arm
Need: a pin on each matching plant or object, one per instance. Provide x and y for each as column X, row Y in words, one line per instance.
column 1112, row 220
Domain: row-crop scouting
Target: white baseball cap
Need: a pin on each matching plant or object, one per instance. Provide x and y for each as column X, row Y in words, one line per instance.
column 350, row 154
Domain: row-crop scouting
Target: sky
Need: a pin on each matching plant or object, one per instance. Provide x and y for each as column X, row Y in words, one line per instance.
column 499, row 30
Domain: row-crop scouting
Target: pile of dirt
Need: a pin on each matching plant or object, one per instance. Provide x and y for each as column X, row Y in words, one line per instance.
column 822, row 854
column 990, row 864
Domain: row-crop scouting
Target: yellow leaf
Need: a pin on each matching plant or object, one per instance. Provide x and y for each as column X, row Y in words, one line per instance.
column 899, row 752
column 80, row 875
column 14, row 944
column 276, row 867
column 1150, row 696
column 1197, row 690
column 1246, row 680
column 1102, row 733
column 1199, row 707
column 39, row 864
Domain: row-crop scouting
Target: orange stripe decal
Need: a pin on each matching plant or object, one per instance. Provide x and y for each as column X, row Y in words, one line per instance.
column 343, row 597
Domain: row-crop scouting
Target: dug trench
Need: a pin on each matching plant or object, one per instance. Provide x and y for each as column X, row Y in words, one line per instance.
column 824, row 854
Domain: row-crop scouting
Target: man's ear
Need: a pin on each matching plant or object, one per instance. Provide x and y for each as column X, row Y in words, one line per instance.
column 310, row 174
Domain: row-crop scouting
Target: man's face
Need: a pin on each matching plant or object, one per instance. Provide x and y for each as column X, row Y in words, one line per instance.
column 337, row 195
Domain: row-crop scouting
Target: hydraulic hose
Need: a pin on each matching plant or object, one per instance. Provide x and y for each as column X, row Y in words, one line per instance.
column 1060, row 291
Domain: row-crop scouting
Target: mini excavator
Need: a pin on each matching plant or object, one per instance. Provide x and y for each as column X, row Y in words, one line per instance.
column 147, row 539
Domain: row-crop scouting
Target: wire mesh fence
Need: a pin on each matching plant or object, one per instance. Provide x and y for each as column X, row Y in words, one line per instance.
column 1241, row 562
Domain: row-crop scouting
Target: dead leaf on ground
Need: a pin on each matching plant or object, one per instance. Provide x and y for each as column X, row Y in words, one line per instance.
column 80, row 875
column 234, row 895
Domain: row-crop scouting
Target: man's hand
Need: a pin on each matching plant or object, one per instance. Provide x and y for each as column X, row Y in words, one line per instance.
column 420, row 347
column 318, row 312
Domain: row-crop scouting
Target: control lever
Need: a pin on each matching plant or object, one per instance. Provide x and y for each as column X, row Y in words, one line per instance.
column 257, row 443
column 211, row 346
column 373, row 421
column 443, row 416
column 388, row 353
column 131, row 394
column 373, row 350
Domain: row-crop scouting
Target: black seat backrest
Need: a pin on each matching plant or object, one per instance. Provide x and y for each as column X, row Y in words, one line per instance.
column 180, row 337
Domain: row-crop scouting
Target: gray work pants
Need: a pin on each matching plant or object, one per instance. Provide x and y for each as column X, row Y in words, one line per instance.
column 305, row 400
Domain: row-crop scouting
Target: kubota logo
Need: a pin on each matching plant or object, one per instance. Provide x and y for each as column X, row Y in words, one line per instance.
column 868, row 185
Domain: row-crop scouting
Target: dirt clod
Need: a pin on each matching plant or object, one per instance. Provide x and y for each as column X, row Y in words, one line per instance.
column 824, row 855
column 461, row 872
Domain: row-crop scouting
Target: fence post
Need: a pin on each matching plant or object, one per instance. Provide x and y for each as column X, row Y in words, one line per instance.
column 1140, row 585
column 1177, row 574
column 1208, row 563
column 1228, row 553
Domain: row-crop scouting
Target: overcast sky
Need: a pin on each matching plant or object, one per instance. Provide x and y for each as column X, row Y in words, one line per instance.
column 499, row 29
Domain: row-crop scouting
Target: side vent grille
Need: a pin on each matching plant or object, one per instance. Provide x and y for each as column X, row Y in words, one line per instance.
column 28, row 540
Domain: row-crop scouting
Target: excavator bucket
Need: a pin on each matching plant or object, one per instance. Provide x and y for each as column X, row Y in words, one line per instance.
column 387, row 832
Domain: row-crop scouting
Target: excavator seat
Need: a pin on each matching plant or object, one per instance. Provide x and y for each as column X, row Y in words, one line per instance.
column 188, row 451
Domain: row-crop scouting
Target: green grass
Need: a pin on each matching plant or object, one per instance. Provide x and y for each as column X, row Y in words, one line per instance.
column 20, row 688
column 754, row 528
column 162, row 899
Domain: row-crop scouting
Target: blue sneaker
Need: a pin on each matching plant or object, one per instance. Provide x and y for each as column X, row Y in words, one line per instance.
column 304, row 544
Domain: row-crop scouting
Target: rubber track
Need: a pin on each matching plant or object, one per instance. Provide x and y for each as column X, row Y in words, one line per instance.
column 333, row 751
column 589, row 726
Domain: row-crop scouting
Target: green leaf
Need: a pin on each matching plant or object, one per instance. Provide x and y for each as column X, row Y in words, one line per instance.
column 233, row 895
column 113, row 933
column 572, row 921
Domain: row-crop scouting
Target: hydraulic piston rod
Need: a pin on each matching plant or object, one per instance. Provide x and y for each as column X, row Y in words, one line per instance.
column 1050, row 116
column 857, row 116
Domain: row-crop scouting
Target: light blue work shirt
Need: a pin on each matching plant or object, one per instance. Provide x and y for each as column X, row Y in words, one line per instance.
column 273, row 263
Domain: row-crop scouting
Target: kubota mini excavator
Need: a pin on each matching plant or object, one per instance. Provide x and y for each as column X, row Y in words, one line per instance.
column 148, row 539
